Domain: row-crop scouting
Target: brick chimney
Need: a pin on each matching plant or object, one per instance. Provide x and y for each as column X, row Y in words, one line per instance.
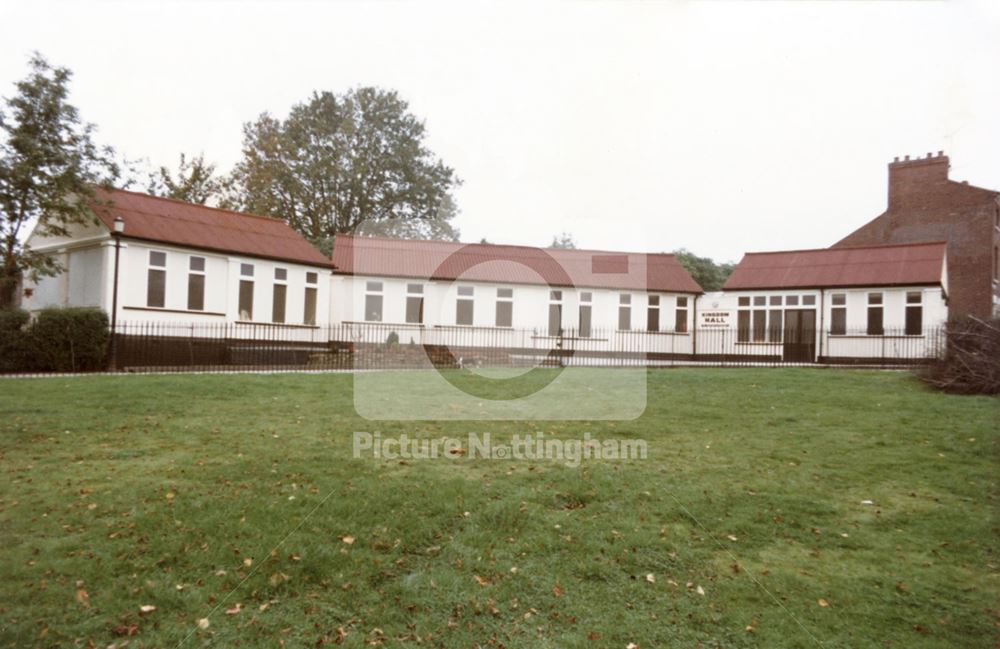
column 911, row 181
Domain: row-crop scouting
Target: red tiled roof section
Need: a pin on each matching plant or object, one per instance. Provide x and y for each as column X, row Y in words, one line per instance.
column 910, row 264
column 504, row 264
column 165, row 220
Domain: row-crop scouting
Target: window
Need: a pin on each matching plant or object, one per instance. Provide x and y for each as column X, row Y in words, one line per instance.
column 586, row 298
column 653, row 313
column 309, row 306
column 624, row 312
column 279, row 295
column 505, row 307
column 775, row 300
column 415, row 303
column 246, row 299
column 838, row 314
column 681, row 315
column 309, row 300
column 278, row 303
column 775, row 322
column 156, row 279
column 914, row 313
column 751, row 324
column 373, row 301
column 464, row 305
column 743, row 324
column 792, row 300
column 875, row 315
column 555, row 313
column 996, row 262
column 808, row 300
column 196, row 284
column 759, row 325
column 246, row 292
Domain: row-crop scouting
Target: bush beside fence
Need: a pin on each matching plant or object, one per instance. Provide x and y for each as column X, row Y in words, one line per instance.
column 57, row 340
column 971, row 362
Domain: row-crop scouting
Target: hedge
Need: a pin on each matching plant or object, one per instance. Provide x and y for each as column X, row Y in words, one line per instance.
column 13, row 340
column 58, row 340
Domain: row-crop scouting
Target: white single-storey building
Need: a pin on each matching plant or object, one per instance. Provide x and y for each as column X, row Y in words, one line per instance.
column 191, row 271
column 185, row 264
column 830, row 305
column 514, row 296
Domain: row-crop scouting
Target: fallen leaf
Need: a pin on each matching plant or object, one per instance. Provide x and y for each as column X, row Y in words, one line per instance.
column 731, row 537
column 278, row 578
column 631, row 645
column 146, row 608
column 248, row 562
column 557, row 591
column 126, row 630
column 822, row 602
column 170, row 495
column 234, row 610
column 482, row 581
column 699, row 590
column 651, row 578
column 349, row 540
column 203, row 623
column 82, row 598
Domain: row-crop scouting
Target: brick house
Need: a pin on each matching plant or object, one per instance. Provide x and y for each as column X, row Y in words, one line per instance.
column 925, row 205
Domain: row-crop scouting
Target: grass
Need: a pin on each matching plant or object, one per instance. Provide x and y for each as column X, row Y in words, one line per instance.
column 205, row 494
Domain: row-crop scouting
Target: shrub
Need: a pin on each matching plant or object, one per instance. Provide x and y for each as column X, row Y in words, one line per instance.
column 14, row 350
column 971, row 363
column 69, row 340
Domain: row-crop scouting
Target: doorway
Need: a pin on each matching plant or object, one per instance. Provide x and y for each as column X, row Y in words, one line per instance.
column 799, row 344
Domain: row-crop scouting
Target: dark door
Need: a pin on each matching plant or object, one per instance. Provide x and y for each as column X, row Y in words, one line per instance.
column 800, row 336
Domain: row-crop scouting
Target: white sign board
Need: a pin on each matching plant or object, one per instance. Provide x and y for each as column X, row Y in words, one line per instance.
column 715, row 319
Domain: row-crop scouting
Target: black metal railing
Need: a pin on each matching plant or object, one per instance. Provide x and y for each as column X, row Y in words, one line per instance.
column 367, row 345
column 241, row 346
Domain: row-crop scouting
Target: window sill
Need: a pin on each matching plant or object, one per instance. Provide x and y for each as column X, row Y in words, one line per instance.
column 373, row 323
column 760, row 344
column 868, row 336
column 570, row 338
column 280, row 325
column 164, row 310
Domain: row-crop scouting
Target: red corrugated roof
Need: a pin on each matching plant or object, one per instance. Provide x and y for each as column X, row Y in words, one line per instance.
column 165, row 220
column 503, row 264
column 909, row 264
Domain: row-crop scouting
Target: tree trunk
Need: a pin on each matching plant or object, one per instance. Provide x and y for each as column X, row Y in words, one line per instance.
column 9, row 282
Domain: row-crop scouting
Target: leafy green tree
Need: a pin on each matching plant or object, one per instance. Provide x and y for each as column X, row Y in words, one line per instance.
column 195, row 181
column 564, row 240
column 709, row 274
column 49, row 165
column 349, row 163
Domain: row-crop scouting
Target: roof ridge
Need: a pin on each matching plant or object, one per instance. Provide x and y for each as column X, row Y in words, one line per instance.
column 866, row 247
column 505, row 245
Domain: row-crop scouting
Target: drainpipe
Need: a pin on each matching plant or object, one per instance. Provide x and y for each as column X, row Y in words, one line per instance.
column 694, row 327
column 822, row 315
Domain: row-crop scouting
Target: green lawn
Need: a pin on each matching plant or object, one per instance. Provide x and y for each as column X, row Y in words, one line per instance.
column 231, row 498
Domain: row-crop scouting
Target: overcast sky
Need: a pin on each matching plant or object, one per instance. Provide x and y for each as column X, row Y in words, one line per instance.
column 718, row 127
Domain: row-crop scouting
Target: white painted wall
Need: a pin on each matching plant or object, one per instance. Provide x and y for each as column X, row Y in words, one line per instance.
column 530, row 313
column 89, row 259
column 89, row 276
column 719, row 334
